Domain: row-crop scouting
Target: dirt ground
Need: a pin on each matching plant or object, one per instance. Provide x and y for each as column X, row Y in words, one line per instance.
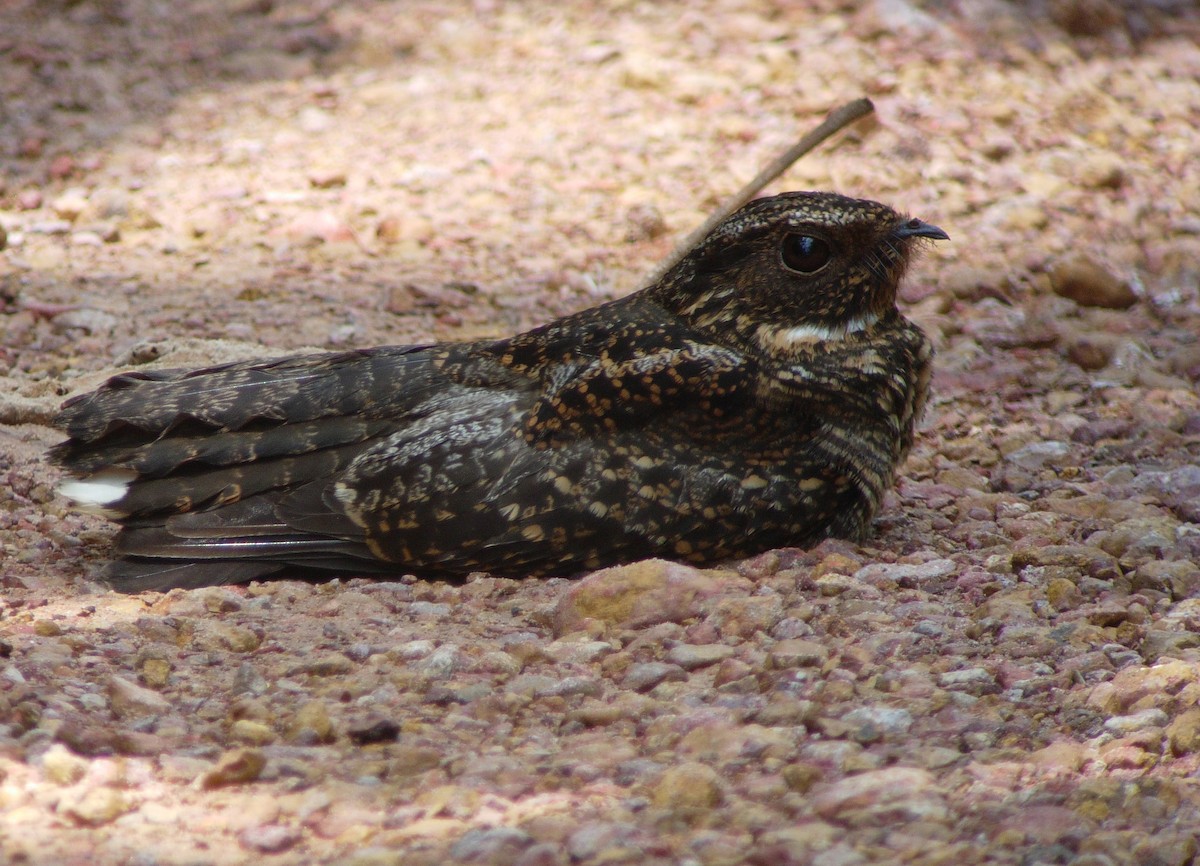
column 1008, row 672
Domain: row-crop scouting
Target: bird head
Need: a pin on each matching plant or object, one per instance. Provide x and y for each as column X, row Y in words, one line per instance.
column 799, row 266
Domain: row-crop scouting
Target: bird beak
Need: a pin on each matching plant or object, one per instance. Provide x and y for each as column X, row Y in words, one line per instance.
column 916, row 228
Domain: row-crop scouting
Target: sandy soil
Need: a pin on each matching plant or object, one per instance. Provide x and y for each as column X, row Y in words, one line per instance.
column 1009, row 672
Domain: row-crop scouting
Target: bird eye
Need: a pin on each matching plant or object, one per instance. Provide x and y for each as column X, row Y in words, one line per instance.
column 804, row 253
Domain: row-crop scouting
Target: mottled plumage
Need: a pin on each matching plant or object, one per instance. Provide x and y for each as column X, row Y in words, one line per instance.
column 761, row 394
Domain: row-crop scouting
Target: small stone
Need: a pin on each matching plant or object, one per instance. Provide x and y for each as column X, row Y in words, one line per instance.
column 47, row 628
column 430, row 609
column 217, row 599
column 875, row 796
column 1149, row 718
column 1137, row 688
column 69, row 205
column 1183, row 734
column 314, row 120
column 1038, row 455
column 327, row 179
column 155, row 672
column 377, row 731
column 269, row 838
column 316, row 227
column 908, row 575
column 29, row 199
column 795, row 845
column 873, row 723
column 579, row 652
column 966, row 679
column 441, row 663
column 638, row 595
column 407, row 761
column 236, row 638
column 693, row 656
column 689, row 791
column 595, row 714
column 645, row 222
column 62, row 766
column 311, row 724
column 743, row 616
column 252, row 732
column 1089, row 284
column 129, row 700
column 1100, row 170
column 605, row 842
column 332, row 665
column 496, row 845
column 95, row 807
column 248, row 680
column 646, row 675
column 235, row 768
column 797, row 653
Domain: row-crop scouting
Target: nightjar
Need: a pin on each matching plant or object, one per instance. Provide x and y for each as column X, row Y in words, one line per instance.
column 761, row 394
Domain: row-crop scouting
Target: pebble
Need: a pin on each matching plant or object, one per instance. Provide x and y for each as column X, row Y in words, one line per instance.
column 874, row 723
column 235, row 768
column 497, row 845
column 1183, row 733
column 311, row 724
column 578, row 651
column 645, row 676
column 1038, row 455
column 269, row 838
column 880, row 795
column 235, row 638
column 29, row 199
column 883, row 574
column 95, row 807
column 742, row 617
column 70, row 205
column 129, row 700
column 967, row 678
column 252, row 732
column 688, row 791
column 1088, row 283
column 797, row 653
column 640, row 594
column 1133, row 689
column 692, row 656
column 331, row 665
column 63, row 767
column 441, row 663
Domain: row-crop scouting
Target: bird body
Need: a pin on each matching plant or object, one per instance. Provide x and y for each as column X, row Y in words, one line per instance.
column 761, row 394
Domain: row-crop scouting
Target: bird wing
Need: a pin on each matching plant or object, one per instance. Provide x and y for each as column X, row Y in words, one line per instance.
column 609, row 393
column 607, row 459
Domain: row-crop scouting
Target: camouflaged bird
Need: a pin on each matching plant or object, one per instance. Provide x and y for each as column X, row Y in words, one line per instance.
column 761, row 394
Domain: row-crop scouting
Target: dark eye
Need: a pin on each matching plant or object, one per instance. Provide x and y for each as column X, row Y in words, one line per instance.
column 804, row 253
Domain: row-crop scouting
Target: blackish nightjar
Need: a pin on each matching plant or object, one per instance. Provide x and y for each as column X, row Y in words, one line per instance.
column 761, row 394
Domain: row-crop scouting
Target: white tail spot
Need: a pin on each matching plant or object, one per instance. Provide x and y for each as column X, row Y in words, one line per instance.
column 100, row 491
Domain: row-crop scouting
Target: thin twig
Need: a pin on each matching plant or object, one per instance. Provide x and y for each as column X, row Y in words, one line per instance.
column 837, row 120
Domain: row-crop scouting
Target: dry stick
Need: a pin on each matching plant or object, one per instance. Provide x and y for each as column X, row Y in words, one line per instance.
column 837, row 120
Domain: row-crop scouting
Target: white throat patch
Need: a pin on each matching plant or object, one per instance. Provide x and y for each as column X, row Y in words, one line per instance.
column 785, row 337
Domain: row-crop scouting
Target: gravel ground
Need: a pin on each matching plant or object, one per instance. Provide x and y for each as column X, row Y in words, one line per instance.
column 1009, row 672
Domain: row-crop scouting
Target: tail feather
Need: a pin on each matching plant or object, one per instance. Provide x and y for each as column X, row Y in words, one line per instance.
column 160, row 575
column 183, row 492
column 167, row 454
column 232, row 396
